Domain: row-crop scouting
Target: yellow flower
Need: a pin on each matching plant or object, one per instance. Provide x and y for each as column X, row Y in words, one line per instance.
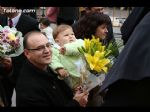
column 86, row 44
column 96, row 55
column 97, row 62
column 11, row 36
column 95, row 40
column 102, row 48
column 99, row 55
column 101, row 66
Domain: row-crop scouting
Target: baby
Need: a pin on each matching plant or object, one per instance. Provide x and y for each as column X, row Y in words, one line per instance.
column 67, row 60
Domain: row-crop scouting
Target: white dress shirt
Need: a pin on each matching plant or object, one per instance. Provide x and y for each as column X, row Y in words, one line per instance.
column 15, row 20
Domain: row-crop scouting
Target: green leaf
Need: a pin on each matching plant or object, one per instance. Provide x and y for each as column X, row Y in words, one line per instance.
column 80, row 50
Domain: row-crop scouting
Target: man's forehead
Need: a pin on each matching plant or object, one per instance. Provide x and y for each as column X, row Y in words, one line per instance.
column 37, row 38
column 36, row 35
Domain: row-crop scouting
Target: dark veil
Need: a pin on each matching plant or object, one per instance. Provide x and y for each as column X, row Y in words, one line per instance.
column 133, row 19
column 133, row 63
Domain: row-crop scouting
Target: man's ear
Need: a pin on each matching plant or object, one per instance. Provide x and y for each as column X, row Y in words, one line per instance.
column 26, row 53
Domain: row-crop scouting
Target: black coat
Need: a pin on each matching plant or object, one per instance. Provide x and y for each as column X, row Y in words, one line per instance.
column 130, row 23
column 128, row 81
column 128, row 93
column 4, row 94
column 40, row 88
column 3, row 99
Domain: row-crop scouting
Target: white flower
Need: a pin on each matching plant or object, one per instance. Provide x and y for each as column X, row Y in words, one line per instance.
column 11, row 42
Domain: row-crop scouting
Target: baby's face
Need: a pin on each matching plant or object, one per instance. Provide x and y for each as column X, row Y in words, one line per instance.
column 66, row 36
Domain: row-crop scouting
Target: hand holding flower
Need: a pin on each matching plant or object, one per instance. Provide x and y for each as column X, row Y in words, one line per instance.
column 81, row 97
column 98, row 60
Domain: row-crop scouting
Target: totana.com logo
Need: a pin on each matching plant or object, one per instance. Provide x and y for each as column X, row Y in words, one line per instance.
column 12, row 10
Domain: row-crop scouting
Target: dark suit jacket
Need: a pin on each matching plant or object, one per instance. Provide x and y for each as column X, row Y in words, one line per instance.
column 25, row 23
column 4, row 89
column 39, row 88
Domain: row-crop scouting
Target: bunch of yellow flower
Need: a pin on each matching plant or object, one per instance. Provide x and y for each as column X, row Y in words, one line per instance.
column 96, row 55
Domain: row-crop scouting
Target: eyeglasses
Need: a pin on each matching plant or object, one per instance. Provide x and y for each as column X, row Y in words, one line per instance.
column 41, row 48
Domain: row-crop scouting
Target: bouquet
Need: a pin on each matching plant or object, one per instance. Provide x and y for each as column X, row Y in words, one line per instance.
column 11, row 42
column 98, row 60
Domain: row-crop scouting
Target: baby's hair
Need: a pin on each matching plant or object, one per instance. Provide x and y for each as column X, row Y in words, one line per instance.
column 60, row 28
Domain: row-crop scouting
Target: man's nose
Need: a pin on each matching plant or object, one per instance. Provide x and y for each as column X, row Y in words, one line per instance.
column 47, row 49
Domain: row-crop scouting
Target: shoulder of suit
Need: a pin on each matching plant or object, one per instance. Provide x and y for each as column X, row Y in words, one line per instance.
column 28, row 18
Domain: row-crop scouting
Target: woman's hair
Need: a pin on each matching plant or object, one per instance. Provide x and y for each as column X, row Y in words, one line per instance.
column 86, row 26
column 44, row 21
column 60, row 28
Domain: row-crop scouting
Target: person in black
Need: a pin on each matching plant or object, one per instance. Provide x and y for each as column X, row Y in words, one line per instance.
column 128, row 81
column 24, row 24
column 68, row 15
column 132, row 20
column 37, row 84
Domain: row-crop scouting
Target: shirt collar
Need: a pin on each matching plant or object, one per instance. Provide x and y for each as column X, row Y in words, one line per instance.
column 15, row 20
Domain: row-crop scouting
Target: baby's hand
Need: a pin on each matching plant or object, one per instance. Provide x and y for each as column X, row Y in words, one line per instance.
column 62, row 50
column 62, row 73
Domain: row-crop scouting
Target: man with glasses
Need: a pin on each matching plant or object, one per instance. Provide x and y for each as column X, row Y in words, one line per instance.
column 37, row 84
